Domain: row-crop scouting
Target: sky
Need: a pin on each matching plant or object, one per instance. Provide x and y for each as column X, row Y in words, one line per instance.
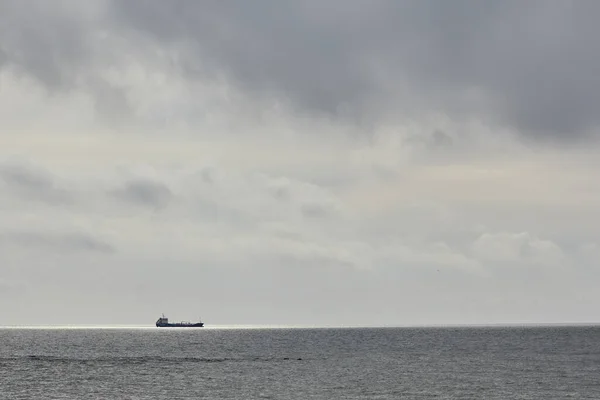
column 349, row 162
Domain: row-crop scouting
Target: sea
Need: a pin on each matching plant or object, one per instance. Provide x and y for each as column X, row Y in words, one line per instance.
column 540, row 362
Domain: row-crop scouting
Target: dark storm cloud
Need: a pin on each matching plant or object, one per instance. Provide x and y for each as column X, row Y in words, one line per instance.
column 528, row 65
column 64, row 46
column 44, row 40
column 145, row 193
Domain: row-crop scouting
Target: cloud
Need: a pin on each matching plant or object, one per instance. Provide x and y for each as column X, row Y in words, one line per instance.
column 69, row 242
column 304, row 163
column 529, row 69
column 233, row 236
column 314, row 210
column 512, row 249
column 524, row 67
column 145, row 193
column 50, row 43
column 32, row 184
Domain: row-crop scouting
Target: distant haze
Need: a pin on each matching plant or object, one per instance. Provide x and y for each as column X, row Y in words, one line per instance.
column 303, row 163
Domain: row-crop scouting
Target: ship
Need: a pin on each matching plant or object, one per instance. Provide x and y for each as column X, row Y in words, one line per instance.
column 163, row 322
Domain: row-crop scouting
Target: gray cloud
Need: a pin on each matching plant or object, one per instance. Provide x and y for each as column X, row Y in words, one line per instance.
column 45, row 41
column 64, row 46
column 69, row 242
column 33, row 184
column 531, row 67
column 238, row 122
column 311, row 210
column 144, row 192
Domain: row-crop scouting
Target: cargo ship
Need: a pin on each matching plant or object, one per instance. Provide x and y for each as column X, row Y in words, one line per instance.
column 163, row 322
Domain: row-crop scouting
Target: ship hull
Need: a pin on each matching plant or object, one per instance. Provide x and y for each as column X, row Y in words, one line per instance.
column 168, row 325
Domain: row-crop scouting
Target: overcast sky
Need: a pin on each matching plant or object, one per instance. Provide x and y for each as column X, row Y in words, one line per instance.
column 345, row 162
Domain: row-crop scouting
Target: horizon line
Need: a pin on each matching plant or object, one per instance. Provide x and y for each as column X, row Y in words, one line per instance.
column 309, row 326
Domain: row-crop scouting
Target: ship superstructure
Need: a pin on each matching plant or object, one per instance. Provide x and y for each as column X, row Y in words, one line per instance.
column 163, row 322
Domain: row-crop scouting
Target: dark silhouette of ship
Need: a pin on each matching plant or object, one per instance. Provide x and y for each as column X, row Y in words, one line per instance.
column 163, row 322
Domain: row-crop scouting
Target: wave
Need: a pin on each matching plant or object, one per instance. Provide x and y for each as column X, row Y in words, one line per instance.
column 146, row 359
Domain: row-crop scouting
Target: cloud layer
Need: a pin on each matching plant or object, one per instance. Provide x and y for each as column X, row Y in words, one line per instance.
column 343, row 163
column 529, row 68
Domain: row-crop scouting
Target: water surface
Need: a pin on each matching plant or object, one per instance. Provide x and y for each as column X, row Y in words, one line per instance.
column 386, row 363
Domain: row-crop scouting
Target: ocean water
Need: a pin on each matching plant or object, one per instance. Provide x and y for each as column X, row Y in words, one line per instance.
column 389, row 363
